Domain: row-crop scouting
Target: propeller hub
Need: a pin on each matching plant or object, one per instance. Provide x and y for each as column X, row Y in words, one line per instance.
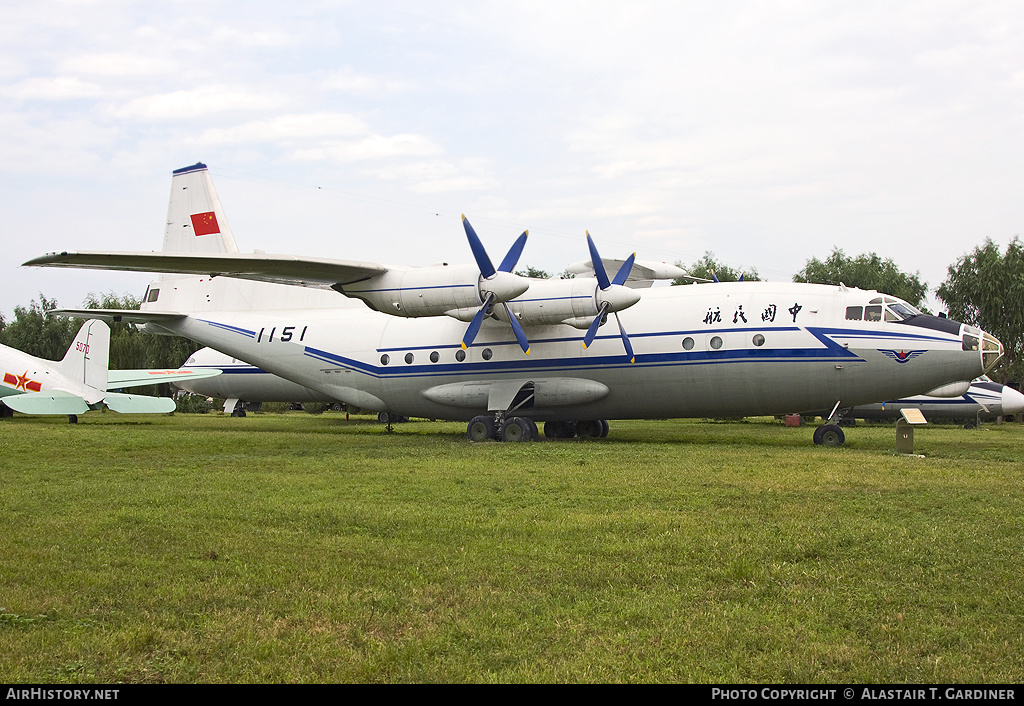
column 617, row 297
column 505, row 286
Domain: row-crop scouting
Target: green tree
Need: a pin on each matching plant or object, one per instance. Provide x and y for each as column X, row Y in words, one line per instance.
column 868, row 271
column 708, row 268
column 985, row 288
column 534, row 273
column 36, row 332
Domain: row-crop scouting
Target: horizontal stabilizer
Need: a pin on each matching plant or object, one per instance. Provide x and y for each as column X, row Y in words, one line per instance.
column 133, row 378
column 138, row 404
column 47, row 403
column 128, row 316
column 280, row 269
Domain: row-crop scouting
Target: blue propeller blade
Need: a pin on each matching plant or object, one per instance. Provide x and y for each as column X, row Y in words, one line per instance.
column 595, row 260
column 474, row 325
column 524, row 343
column 512, row 257
column 592, row 331
column 482, row 261
column 625, row 339
column 624, row 271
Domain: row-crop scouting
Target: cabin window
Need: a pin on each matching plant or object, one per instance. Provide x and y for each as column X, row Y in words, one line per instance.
column 758, row 340
column 434, row 357
column 486, row 353
column 716, row 342
column 153, row 294
column 873, row 313
column 460, row 355
column 688, row 343
column 385, row 359
column 854, row 313
column 970, row 342
column 409, row 358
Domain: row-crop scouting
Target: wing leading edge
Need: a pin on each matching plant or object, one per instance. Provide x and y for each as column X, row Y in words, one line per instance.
column 318, row 273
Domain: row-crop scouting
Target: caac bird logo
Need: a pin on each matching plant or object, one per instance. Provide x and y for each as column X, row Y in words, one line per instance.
column 901, row 356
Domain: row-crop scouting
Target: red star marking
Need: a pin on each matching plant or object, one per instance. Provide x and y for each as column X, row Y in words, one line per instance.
column 22, row 380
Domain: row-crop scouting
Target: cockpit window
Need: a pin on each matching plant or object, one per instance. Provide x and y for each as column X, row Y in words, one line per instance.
column 873, row 313
column 854, row 313
column 153, row 294
column 903, row 311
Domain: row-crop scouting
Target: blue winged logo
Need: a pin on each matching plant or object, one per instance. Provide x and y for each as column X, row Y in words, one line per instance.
column 900, row 356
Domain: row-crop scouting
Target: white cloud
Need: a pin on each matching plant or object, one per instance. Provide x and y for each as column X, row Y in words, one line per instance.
column 54, row 89
column 199, row 102
column 372, row 147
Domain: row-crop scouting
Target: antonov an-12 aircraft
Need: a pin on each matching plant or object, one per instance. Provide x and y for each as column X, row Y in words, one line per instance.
column 81, row 381
column 481, row 344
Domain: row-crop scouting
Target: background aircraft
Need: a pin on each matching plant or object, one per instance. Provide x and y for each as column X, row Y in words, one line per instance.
column 984, row 399
column 242, row 386
column 480, row 344
column 81, row 381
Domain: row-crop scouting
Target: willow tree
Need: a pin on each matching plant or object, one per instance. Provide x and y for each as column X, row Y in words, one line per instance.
column 985, row 288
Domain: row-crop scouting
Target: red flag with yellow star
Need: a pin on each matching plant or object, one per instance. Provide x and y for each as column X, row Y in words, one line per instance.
column 205, row 223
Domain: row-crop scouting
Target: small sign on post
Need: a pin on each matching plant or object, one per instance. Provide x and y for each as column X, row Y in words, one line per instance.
column 905, row 429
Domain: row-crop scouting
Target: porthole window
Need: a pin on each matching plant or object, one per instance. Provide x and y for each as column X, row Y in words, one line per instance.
column 758, row 340
column 409, row 358
column 460, row 355
column 434, row 357
column 716, row 342
column 385, row 359
column 688, row 344
column 486, row 353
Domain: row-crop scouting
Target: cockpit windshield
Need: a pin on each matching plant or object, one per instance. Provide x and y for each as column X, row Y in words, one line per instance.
column 882, row 308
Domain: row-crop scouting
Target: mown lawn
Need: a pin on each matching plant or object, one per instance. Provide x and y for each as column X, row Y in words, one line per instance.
column 301, row 548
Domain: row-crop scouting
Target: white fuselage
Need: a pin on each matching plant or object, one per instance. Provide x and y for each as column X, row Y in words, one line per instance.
column 701, row 350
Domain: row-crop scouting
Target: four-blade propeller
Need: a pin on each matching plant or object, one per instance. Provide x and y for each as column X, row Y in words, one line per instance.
column 496, row 285
column 611, row 296
column 499, row 286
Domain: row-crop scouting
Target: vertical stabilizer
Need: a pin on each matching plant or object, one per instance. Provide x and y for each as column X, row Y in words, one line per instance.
column 195, row 219
column 86, row 361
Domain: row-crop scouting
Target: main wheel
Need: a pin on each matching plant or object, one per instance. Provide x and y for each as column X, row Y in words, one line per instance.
column 829, row 435
column 481, row 428
column 589, row 429
column 517, row 429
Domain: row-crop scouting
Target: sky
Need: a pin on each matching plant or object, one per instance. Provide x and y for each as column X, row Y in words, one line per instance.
column 767, row 133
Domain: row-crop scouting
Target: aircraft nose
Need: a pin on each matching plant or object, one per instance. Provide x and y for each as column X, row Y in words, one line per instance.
column 1013, row 401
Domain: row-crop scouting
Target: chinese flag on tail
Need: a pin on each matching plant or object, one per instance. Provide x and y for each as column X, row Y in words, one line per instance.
column 205, row 223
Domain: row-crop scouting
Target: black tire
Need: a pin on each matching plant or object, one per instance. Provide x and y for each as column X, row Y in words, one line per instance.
column 481, row 428
column 831, row 435
column 589, row 429
column 605, row 427
column 516, row 429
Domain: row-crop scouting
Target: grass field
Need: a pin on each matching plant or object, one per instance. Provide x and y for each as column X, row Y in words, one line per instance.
column 301, row 548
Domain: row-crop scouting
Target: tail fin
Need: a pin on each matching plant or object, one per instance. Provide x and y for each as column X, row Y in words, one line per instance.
column 86, row 361
column 195, row 219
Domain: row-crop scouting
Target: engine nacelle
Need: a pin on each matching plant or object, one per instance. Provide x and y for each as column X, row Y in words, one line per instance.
column 573, row 301
column 433, row 291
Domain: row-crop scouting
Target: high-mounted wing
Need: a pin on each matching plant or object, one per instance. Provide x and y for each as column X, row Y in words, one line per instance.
column 281, row 269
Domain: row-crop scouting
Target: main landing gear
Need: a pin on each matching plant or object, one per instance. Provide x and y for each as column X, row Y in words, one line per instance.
column 495, row 427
